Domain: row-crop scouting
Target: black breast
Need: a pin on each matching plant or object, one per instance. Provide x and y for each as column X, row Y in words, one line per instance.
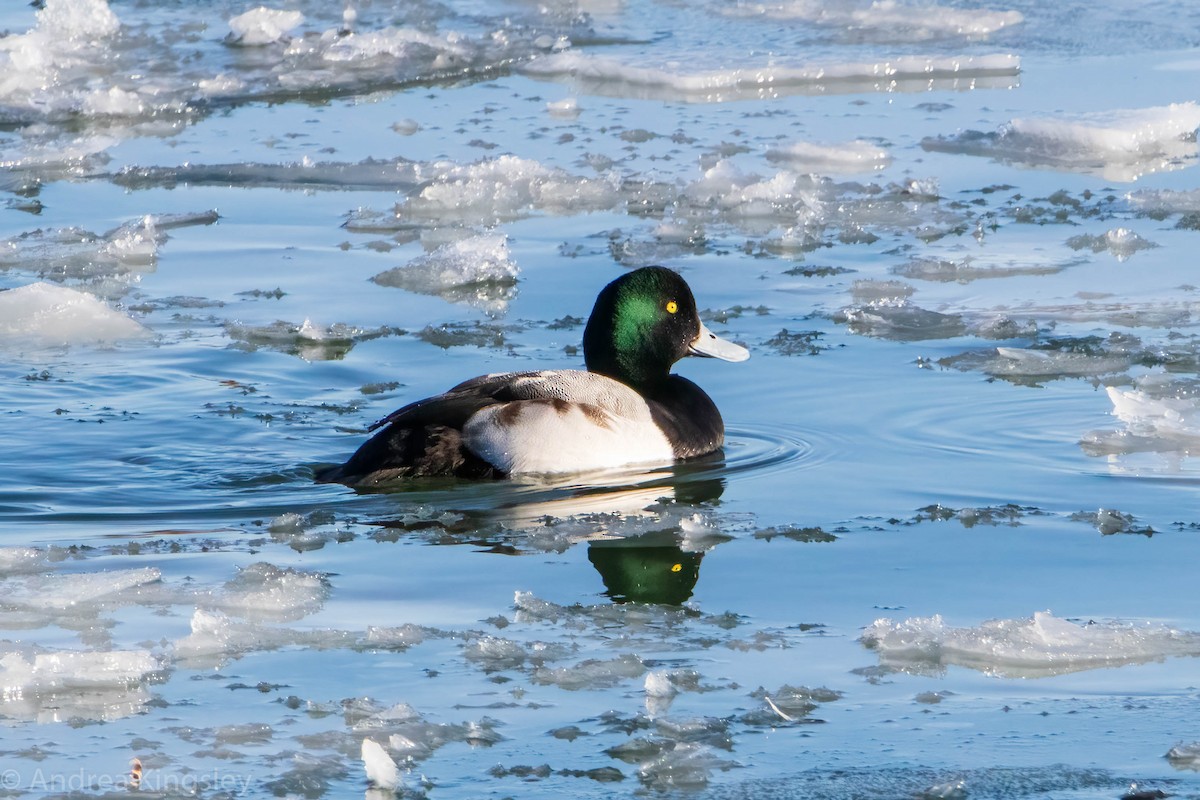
column 687, row 416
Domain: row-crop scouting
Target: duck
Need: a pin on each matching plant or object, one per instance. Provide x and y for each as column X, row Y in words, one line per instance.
column 626, row 409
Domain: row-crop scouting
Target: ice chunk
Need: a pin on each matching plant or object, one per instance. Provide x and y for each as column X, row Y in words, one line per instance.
column 243, row 733
column 308, row 340
column 592, row 673
column 885, row 20
column 1015, row 361
column 658, row 684
column 1165, row 201
column 263, row 25
column 848, row 158
column 950, row 790
column 215, row 638
column 1039, row 646
column 789, row 703
column 443, row 51
column 264, row 591
column 505, row 188
column 1119, row 145
column 1158, row 416
column 397, row 174
column 20, row 560
column 685, row 765
column 406, row 126
column 382, row 771
column 477, row 271
column 1120, row 242
column 967, row 270
column 47, row 315
column 568, row 108
column 46, row 672
column 63, row 27
column 68, row 590
column 901, row 320
column 659, row 693
column 496, row 653
column 1185, row 756
column 100, row 262
column 399, row 637
column 607, row 75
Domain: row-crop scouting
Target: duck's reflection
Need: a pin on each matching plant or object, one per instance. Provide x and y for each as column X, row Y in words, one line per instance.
column 651, row 568
column 641, row 529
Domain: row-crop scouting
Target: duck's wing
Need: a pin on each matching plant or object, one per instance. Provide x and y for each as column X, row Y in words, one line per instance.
column 575, row 387
column 455, row 406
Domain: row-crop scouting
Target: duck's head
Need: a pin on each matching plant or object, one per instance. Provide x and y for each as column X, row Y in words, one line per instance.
column 644, row 322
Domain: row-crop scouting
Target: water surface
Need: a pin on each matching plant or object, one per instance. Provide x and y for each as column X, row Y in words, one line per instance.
column 957, row 239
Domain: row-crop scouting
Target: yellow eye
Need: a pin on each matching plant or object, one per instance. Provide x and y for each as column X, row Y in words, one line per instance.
column 672, row 306
column 676, row 567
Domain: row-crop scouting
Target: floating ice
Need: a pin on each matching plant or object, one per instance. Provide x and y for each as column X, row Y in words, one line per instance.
column 803, row 205
column 658, row 684
column 1165, row 201
column 967, row 269
column 264, row 591
column 1185, row 756
column 1159, row 415
column 568, row 108
column 684, row 765
column 1120, row 145
column 606, row 75
column 885, row 20
column 1054, row 363
column 1121, row 243
column 64, row 670
column 592, row 673
column 494, row 653
column 263, row 25
column 848, row 158
column 21, row 560
column 396, row 637
column 35, row 63
column 382, row 771
column 398, row 174
column 1039, row 646
column 104, row 263
column 215, row 637
column 901, row 320
column 243, row 733
column 1109, row 521
column 742, row 195
column 42, row 314
column 788, row 704
column 435, row 52
column 477, row 271
column 308, row 340
column 504, row 188
column 60, row 591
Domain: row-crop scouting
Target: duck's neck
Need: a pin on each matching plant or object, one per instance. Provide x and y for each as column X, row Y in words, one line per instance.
column 646, row 379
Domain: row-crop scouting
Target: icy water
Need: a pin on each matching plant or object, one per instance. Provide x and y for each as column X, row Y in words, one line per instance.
column 950, row 550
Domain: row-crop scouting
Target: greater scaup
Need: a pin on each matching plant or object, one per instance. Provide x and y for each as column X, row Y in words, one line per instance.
column 626, row 409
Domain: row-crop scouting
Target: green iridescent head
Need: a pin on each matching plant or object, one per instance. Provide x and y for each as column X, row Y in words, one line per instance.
column 645, row 321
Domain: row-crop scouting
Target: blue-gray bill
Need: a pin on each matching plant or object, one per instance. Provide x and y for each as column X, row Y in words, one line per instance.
column 709, row 345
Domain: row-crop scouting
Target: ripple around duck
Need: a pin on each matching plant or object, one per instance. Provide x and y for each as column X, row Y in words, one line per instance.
column 749, row 451
column 230, row 500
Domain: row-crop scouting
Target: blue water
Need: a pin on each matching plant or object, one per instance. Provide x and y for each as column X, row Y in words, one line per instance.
column 869, row 472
